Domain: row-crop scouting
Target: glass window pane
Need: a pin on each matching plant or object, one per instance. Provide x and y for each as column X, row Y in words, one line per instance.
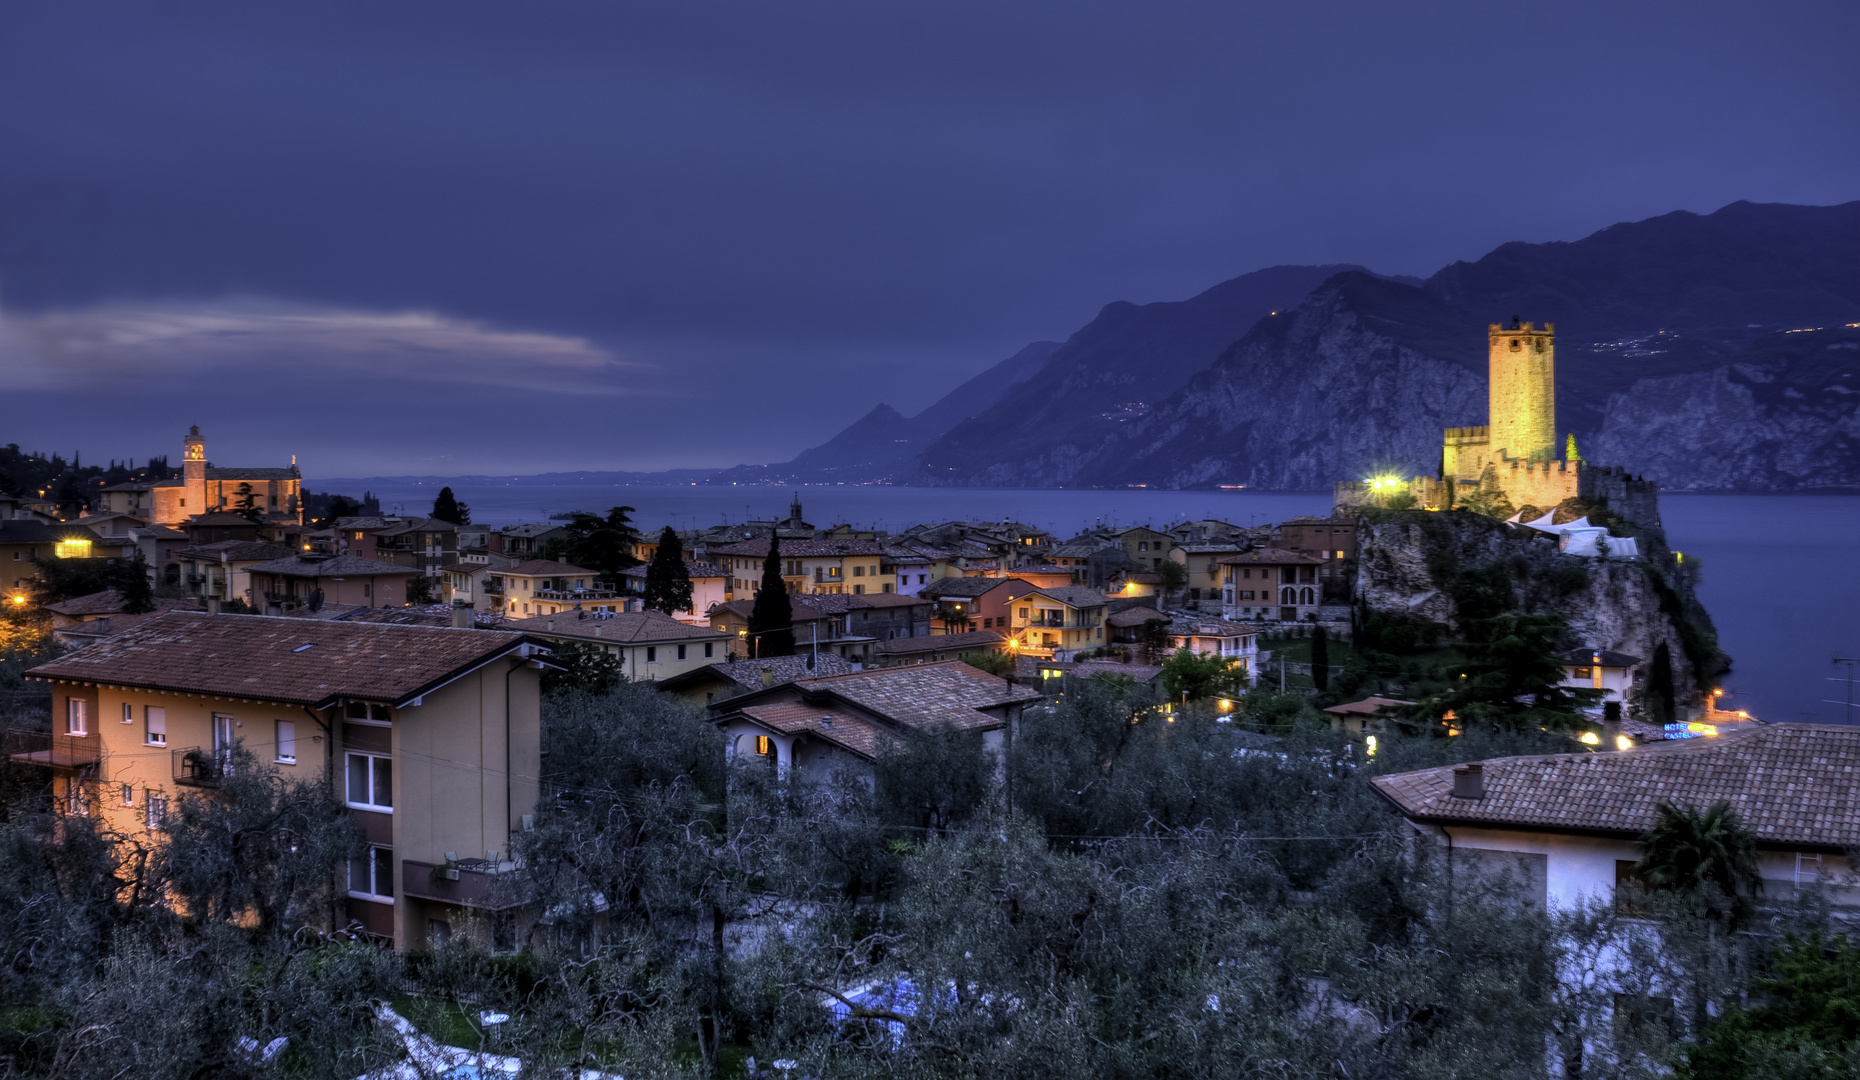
column 384, row 871
column 287, row 740
column 359, row 869
column 158, row 720
column 384, row 782
column 358, row 778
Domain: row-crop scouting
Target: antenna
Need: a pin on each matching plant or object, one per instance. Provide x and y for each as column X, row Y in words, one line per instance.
column 1850, row 661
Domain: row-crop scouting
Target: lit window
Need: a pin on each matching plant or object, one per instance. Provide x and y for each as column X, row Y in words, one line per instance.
column 371, row 782
column 74, row 549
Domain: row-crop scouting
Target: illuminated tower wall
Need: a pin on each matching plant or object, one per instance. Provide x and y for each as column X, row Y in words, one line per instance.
column 1523, row 388
column 194, row 472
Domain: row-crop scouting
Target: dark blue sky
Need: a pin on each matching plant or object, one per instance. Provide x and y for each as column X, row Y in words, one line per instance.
column 465, row 237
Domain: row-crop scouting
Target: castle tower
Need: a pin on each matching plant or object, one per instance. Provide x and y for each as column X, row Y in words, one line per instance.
column 1523, row 391
column 194, row 472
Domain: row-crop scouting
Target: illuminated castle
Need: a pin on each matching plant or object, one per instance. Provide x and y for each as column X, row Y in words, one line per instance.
column 202, row 488
column 1514, row 461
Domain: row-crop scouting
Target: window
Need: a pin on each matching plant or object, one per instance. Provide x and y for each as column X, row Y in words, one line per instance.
column 365, row 588
column 371, row 782
column 155, row 725
column 371, row 874
column 1023, row 613
column 921, row 578
column 287, row 742
column 76, row 716
column 129, row 713
column 681, row 652
column 708, row 646
column 157, row 807
column 762, row 745
column 858, row 590
column 129, row 795
column 858, row 571
column 652, row 654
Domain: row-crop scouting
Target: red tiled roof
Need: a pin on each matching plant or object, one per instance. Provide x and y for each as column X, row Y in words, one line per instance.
column 545, row 568
column 849, row 730
column 973, row 639
column 1276, row 556
column 265, row 657
column 947, row 692
column 800, row 549
column 618, row 627
column 1792, row 784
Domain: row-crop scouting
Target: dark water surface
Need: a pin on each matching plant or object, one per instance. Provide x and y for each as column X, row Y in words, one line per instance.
column 1781, row 572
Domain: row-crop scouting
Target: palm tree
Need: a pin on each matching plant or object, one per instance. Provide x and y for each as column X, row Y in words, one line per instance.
column 1703, row 855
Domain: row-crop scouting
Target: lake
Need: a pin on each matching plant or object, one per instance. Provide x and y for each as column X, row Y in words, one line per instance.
column 1781, row 572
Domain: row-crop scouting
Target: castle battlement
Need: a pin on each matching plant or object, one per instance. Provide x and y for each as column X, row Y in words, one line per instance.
column 1478, row 434
column 1497, row 329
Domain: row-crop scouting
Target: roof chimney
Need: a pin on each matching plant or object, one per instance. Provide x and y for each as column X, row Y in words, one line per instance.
column 826, row 723
column 1469, row 781
column 461, row 616
column 768, row 676
column 1611, row 725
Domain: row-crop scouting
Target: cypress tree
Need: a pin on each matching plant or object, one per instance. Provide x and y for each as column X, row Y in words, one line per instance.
column 447, row 507
column 1320, row 658
column 668, row 583
column 771, row 620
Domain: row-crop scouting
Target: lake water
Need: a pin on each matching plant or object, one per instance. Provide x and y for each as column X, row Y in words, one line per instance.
column 1781, row 572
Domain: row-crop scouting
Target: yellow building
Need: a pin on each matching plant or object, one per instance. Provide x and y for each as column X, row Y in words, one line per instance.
column 650, row 645
column 433, row 737
column 277, row 494
column 1057, row 622
column 833, row 567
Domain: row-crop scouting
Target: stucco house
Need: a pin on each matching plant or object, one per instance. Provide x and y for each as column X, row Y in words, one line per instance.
column 813, row 726
column 431, row 735
column 1568, row 823
column 649, row 644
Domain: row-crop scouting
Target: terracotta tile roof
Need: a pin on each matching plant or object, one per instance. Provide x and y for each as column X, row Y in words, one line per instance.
column 905, row 646
column 693, row 570
column 616, row 627
column 107, row 602
column 748, row 673
column 1076, row 550
column 1135, row 616
column 1587, row 657
column 1075, row 596
column 805, row 608
column 238, row 551
column 1369, row 706
column 1794, row 785
column 964, row 586
column 946, row 692
column 1210, row 628
column 1275, row 556
column 800, row 549
column 263, row 657
column 328, row 566
column 1141, row 672
column 844, row 728
column 546, row 568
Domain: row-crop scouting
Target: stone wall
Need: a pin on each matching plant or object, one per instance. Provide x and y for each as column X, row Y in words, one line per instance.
column 1522, row 388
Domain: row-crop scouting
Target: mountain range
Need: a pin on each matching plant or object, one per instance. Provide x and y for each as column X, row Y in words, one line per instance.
column 1707, row 352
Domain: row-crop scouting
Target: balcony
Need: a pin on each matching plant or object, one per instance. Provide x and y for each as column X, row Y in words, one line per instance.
column 53, row 751
column 575, row 595
column 471, row 883
column 280, row 597
column 194, row 767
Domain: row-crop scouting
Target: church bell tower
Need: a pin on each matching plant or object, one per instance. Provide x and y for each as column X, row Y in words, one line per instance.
column 194, row 472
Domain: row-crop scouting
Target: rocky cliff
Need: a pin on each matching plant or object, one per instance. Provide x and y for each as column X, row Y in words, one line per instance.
column 1441, row 570
column 1357, row 379
column 1782, row 416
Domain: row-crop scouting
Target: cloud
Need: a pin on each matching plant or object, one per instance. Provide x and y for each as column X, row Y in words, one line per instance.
column 272, row 343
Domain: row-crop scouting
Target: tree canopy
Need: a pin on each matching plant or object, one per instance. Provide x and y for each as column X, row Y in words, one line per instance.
column 771, row 618
column 447, row 507
column 1512, row 677
column 668, row 582
column 601, row 544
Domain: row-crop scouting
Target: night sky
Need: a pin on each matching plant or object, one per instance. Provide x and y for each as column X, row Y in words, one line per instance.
column 401, row 237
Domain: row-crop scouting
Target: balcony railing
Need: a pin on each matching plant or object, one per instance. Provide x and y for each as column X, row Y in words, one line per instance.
column 575, row 594
column 52, row 750
column 280, row 597
column 195, row 767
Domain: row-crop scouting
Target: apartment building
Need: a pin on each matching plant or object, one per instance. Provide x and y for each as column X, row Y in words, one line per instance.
column 852, row 567
column 432, row 736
